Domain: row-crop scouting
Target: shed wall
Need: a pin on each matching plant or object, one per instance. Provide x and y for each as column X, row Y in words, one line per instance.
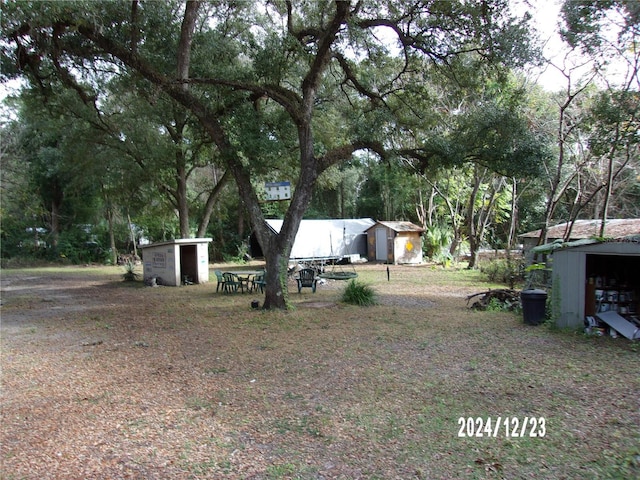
column 170, row 262
column 203, row 262
column 569, row 273
column 570, row 278
column 371, row 245
column 162, row 261
column 408, row 248
column 398, row 247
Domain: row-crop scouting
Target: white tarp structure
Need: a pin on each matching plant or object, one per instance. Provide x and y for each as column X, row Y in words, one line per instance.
column 318, row 239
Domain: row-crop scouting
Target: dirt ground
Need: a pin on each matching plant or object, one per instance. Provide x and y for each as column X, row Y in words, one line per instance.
column 106, row 379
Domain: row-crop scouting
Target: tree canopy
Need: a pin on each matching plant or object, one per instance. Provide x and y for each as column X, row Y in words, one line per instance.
column 263, row 76
column 271, row 90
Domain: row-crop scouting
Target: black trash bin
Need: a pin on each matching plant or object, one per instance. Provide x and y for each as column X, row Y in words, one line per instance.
column 534, row 303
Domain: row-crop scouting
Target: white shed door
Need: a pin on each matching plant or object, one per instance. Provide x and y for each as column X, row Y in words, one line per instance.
column 381, row 244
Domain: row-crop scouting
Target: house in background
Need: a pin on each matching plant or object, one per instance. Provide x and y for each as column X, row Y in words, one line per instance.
column 395, row 242
column 324, row 240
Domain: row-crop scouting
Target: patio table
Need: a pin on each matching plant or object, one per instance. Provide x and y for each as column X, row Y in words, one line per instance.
column 244, row 277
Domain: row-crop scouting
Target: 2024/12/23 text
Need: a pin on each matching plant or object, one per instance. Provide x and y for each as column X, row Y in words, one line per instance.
column 509, row 427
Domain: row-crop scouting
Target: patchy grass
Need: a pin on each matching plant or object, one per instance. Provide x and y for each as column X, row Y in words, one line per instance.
column 100, row 380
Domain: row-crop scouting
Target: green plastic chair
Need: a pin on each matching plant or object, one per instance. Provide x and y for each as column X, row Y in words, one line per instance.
column 220, row 280
column 231, row 282
column 258, row 282
column 307, row 278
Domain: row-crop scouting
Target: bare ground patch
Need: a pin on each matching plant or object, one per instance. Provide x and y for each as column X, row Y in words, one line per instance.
column 101, row 379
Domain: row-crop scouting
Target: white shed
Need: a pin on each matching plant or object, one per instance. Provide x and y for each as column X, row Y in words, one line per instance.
column 592, row 276
column 177, row 262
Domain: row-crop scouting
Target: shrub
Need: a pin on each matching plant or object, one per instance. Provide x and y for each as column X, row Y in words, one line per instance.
column 130, row 274
column 508, row 272
column 358, row 293
column 436, row 238
column 443, row 258
column 241, row 257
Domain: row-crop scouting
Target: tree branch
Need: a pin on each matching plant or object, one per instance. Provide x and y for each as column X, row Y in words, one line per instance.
column 186, row 39
column 323, row 55
column 288, row 99
column 344, row 152
column 351, row 77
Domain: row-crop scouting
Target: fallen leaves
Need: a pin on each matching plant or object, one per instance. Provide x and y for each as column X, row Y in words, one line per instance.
column 182, row 383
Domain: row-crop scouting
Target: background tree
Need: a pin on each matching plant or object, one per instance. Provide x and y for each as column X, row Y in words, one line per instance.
column 486, row 127
column 615, row 142
column 21, row 212
column 54, row 152
column 584, row 172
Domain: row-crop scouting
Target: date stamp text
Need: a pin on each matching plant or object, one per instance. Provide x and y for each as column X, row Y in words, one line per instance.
column 508, row 427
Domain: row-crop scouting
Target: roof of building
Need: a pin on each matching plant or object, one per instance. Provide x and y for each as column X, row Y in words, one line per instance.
column 400, row 226
column 178, row 241
column 614, row 228
column 559, row 244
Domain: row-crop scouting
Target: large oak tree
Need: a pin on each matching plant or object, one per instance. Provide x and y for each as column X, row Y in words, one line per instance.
column 277, row 85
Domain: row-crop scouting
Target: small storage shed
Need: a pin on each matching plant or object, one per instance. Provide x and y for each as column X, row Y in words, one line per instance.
column 395, row 242
column 595, row 276
column 172, row 263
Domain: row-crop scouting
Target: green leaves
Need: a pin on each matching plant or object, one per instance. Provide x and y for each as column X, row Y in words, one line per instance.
column 359, row 293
